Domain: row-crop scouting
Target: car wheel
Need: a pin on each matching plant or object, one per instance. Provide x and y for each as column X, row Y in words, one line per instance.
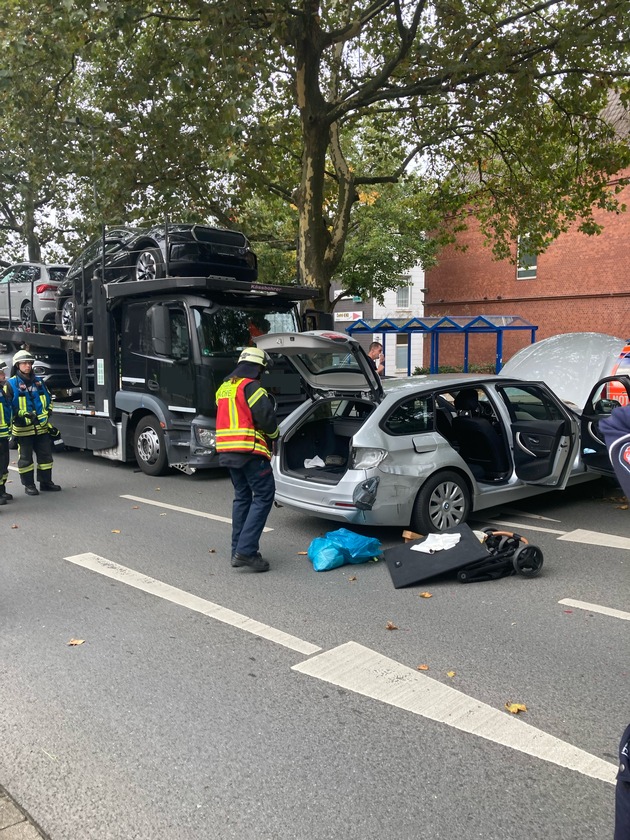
column 70, row 318
column 443, row 502
column 150, row 446
column 26, row 313
column 149, row 264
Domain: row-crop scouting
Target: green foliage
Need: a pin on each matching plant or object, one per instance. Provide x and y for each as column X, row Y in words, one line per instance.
column 336, row 136
column 481, row 368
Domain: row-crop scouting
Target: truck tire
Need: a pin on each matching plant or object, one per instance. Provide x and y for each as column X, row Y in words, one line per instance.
column 442, row 502
column 149, row 265
column 149, row 446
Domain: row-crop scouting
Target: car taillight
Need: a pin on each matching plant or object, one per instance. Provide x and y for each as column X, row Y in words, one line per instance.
column 44, row 287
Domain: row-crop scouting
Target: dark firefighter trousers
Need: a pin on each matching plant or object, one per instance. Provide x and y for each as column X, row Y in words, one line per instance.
column 41, row 446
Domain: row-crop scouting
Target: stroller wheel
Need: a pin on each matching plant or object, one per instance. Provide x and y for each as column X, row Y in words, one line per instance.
column 462, row 576
column 527, row 560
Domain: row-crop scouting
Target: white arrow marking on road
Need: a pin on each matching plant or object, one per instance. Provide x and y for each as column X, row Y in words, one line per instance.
column 185, row 510
column 584, row 605
column 524, row 525
column 364, row 671
column 595, row 538
column 191, row 602
column 367, row 672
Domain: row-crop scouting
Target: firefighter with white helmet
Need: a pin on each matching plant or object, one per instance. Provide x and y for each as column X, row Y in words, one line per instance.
column 246, row 429
column 32, row 406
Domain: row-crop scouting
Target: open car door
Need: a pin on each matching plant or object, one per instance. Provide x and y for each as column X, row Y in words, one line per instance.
column 609, row 393
column 545, row 434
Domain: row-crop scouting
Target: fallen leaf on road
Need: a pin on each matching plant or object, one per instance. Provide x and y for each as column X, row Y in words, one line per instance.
column 162, row 514
column 211, row 550
column 302, row 552
column 115, row 531
column 15, row 526
column 425, row 595
column 353, row 578
column 157, row 488
column 135, row 507
column 515, row 708
column 391, row 626
column 450, row 673
column 75, row 642
column 567, row 611
column 423, row 667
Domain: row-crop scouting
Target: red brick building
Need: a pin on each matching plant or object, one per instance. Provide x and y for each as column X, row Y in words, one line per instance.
column 581, row 283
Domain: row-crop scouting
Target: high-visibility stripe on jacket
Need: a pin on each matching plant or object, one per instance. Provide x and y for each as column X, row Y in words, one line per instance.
column 236, row 431
column 6, row 412
column 28, row 397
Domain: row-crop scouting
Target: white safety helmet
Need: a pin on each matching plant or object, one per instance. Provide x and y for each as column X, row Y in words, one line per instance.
column 23, row 356
column 255, row 355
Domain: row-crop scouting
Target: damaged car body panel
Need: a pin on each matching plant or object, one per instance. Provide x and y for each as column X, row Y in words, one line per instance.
column 422, row 452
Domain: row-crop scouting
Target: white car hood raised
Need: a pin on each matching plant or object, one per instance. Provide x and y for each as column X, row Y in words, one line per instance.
column 570, row 364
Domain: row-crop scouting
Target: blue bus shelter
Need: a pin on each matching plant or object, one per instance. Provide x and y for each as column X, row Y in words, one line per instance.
column 448, row 325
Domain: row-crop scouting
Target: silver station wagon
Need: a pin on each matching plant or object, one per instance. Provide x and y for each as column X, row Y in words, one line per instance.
column 426, row 451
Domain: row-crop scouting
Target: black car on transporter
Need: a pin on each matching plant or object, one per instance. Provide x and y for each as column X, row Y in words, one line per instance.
column 177, row 250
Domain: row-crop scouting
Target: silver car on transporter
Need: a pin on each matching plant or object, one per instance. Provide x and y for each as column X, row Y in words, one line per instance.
column 424, row 452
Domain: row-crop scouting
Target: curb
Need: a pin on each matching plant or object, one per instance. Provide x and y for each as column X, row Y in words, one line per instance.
column 15, row 824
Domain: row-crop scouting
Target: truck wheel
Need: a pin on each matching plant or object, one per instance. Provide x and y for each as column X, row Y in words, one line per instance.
column 150, row 447
column 149, row 264
column 443, row 502
column 70, row 318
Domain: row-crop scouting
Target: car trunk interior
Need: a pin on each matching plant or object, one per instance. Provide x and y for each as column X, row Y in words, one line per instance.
column 319, row 447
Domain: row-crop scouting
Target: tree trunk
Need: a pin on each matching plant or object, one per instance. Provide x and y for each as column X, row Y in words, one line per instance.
column 32, row 241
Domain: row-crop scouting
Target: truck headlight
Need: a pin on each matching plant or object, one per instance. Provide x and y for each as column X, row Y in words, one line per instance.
column 205, row 437
column 366, row 459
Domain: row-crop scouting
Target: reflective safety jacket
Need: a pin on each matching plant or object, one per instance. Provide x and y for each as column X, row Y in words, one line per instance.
column 245, row 418
column 31, row 406
column 6, row 410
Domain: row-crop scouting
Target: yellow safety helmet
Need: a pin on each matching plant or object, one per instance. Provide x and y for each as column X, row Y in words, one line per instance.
column 255, row 355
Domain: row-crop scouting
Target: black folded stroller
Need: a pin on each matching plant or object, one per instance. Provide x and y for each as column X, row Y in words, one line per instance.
column 508, row 554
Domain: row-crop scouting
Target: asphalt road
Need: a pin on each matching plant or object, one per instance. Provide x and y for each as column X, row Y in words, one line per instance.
column 211, row 702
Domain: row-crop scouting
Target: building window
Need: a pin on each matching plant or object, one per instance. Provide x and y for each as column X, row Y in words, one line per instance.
column 403, row 296
column 402, row 349
column 526, row 265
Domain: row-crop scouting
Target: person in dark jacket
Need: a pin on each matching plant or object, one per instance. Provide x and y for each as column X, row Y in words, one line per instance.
column 622, row 791
column 6, row 413
column 616, row 432
column 31, row 424
column 246, row 429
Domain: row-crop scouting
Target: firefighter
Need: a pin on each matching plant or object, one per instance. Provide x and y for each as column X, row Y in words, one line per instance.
column 31, row 424
column 6, row 396
column 246, row 429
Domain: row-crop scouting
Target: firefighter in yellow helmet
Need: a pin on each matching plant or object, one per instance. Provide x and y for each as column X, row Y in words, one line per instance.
column 246, row 429
column 31, row 424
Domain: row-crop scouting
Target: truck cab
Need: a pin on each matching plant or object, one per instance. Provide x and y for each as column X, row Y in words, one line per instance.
column 141, row 379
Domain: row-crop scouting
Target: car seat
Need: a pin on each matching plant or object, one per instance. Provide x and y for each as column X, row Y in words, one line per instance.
column 479, row 444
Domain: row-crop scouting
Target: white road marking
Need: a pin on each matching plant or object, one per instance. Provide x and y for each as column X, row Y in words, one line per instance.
column 528, row 515
column 364, row 671
column 185, row 510
column 191, row 602
column 595, row 538
column 596, row 608
column 523, row 525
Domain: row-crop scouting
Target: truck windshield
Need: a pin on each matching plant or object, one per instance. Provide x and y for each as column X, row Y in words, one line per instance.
column 227, row 331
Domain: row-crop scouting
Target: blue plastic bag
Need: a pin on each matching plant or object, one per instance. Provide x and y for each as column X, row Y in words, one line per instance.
column 338, row 548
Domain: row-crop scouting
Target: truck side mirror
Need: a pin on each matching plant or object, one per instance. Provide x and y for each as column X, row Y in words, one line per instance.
column 316, row 319
column 161, row 330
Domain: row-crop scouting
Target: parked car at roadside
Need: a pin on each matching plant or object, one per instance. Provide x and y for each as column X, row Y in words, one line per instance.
column 28, row 294
column 427, row 451
column 178, row 250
